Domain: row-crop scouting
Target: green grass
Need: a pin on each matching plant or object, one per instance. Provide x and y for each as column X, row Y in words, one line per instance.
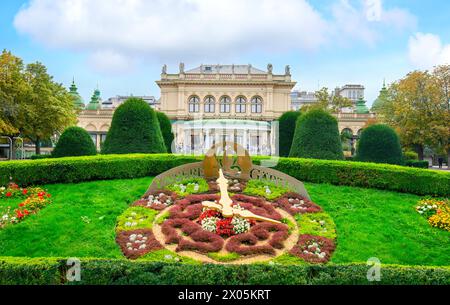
column 59, row 230
column 382, row 224
column 369, row 223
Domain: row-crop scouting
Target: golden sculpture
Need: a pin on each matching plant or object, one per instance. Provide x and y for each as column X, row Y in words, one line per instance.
column 225, row 205
column 238, row 167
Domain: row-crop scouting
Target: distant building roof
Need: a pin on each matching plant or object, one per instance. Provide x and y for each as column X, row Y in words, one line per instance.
column 78, row 100
column 226, row 69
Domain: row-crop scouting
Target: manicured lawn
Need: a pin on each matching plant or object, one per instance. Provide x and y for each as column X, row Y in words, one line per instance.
column 370, row 223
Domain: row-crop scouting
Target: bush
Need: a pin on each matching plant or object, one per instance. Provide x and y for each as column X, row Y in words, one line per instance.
column 410, row 155
column 166, row 130
column 74, row 142
column 134, row 129
column 317, row 136
column 416, row 163
column 40, row 157
column 380, row 144
column 122, row 272
column 369, row 175
column 286, row 127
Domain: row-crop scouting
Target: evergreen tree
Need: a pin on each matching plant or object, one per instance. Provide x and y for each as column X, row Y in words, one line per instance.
column 74, row 141
column 134, row 129
column 166, row 130
column 286, row 127
column 317, row 136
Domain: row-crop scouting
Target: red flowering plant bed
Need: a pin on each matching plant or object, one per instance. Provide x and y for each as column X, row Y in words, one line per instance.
column 314, row 249
column 294, row 203
column 137, row 243
column 157, row 200
column 35, row 199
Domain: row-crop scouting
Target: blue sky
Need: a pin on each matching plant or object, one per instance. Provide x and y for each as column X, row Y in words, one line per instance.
column 121, row 45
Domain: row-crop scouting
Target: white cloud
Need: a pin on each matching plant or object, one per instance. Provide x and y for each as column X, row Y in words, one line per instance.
column 117, row 33
column 427, row 50
column 367, row 20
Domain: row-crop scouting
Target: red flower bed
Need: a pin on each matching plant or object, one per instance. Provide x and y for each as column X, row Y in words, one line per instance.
column 257, row 206
column 191, row 206
column 297, row 205
column 245, row 244
column 197, row 239
column 278, row 233
column 147, row 203
column 137, row 243
column 314, row 249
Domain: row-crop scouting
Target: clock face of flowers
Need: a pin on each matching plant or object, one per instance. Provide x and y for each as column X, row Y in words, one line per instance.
column 175, row 221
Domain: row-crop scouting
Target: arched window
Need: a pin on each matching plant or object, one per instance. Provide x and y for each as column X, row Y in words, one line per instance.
column 194, row 104
column 241, row 106
column 210, row 104
column 225, row 104
column 256, row 104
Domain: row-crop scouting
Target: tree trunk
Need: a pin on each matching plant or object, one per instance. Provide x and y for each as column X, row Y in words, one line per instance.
column 37, row 143
column 448, row 158
column 419, row 151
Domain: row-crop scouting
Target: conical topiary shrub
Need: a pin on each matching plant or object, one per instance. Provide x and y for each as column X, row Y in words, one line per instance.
column 380, row 144
column 286, row 127
column 74, row 141
column 166, row 130
column 134, row 129
column 317, row 136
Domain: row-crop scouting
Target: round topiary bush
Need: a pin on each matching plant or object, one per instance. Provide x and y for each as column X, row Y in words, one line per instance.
column 134, row 129
column 317, row 136
column 286, row 131
column 380, row 144
column 74, row 141
column 166, row 130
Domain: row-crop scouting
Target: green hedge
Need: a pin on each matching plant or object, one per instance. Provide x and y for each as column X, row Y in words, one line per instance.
column 123, row 272
column 101, row 167
column 417, row 163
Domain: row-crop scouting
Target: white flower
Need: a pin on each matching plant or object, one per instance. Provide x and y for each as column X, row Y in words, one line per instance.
column 209, row 224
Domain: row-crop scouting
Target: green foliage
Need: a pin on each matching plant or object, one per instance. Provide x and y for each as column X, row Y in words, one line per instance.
column 33, row 104
column 311, row 224
column 121, row 272
column 287, row 259
column 74, row 141
column 417, row 163
column 187, row 186
column 40, row 157
column 136, row 218
column 286, row 127
column 258, row 188
column 100, row 167
column 380, row 144
column 134, row 129
column 289, row 223
column 317, row 136
column 161, row 218
column 166, row 130
column 410, row 155
column 167, row 256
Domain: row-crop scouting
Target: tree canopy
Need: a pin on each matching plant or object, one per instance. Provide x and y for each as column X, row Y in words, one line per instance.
column 74, row 141
column 33, row 105
column 317, row 136
column 134, row 129
column 380, row 144
column 417, row 106
column 329, row 102
column 166, row 130
column 286, row 128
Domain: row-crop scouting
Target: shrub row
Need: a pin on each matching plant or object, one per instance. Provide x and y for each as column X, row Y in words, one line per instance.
column 124, row 272
column 102, row 167
column 417, row 163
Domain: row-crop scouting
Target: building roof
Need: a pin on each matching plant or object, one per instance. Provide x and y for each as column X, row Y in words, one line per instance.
column 94, row 104
column 78, row 100
column 382, row 97
column 226, row 69
column 361, row 107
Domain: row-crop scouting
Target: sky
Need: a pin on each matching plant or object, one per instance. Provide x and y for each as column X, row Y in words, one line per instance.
column 121, row 45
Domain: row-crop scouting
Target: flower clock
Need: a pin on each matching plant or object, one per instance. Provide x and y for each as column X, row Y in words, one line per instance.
column 32, row 200
column 215, row 221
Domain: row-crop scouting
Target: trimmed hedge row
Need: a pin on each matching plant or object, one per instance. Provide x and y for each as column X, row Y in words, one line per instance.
column 417, row 163
column 102, row 167
column 124, row 272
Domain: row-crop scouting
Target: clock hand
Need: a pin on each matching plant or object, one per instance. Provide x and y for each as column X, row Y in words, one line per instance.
column 225, row 199
column 249, row 215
